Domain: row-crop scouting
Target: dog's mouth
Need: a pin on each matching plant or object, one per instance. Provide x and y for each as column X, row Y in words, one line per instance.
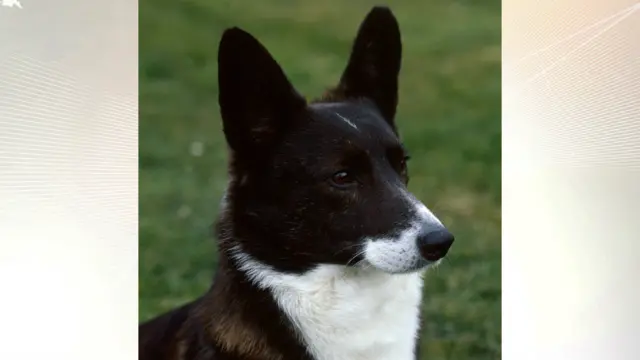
column 417, row 266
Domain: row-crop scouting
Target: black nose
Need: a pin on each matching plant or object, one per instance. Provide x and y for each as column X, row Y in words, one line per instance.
column 434, row 245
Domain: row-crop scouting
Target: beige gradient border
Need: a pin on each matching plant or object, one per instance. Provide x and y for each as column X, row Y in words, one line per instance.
column 68, row 179
column 571, row 184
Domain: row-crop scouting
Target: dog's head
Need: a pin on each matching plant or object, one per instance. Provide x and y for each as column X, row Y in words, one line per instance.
column 323, row 182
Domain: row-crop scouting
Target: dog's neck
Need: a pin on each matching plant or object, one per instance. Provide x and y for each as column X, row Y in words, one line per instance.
column 331, row 312
column 243, row 321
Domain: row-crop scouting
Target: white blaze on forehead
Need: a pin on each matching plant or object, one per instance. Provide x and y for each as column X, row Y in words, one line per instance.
column 347, row 121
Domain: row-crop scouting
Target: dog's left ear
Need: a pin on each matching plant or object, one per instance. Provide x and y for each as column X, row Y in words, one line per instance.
column 374, row 65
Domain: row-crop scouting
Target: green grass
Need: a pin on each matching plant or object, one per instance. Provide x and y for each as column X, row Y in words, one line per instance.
column 449, row 117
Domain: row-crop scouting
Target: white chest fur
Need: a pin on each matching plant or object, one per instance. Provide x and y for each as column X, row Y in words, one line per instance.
column 345, row 313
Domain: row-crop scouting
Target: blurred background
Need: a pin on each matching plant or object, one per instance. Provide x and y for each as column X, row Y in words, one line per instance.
column 449, row 118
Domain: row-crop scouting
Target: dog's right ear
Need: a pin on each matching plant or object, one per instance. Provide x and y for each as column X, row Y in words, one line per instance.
column 257, row 101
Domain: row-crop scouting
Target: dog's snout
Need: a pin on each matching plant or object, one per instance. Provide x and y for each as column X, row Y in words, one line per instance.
column 434, row 245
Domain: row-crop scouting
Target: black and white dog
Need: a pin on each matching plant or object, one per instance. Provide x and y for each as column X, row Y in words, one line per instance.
column 322, row 248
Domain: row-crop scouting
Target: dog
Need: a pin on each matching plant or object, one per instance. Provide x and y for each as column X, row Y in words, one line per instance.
column 322, row 249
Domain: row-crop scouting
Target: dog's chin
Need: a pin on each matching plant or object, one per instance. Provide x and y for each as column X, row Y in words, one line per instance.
column 398, row 267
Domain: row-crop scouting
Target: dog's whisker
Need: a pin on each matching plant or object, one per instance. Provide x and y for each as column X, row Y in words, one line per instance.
column 347, row 248
column 359, row 253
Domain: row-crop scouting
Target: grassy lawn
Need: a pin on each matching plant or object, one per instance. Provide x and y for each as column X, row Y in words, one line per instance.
column 449, row 117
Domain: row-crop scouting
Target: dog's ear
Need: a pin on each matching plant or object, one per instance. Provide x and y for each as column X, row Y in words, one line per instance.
column 374, row 64
column 257, row 101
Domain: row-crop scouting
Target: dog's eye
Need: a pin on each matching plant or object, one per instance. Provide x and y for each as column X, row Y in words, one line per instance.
column 343, row 179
